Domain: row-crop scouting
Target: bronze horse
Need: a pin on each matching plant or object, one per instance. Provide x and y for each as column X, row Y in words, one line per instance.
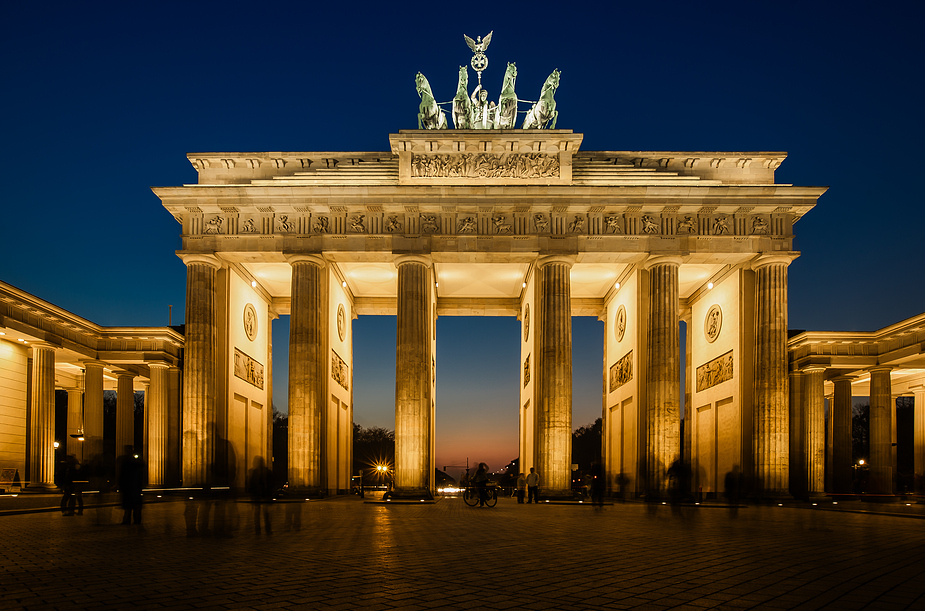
column 462, row 105
column 506, row 112
column 430, row 115
column 544, row 112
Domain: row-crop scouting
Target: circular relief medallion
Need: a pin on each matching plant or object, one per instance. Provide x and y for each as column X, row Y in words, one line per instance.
column 526, row 322
column 250, row 322
column 619, row 323
column 713, row 323
column 341, row 322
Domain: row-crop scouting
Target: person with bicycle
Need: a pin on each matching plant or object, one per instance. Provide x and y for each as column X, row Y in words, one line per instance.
column 480, row 479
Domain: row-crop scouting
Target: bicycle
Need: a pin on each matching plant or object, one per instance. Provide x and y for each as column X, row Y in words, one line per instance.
column 471, row 496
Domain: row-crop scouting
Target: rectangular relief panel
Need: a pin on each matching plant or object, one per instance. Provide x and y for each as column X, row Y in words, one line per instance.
column 248, row 369
column 340, row 371
column 621, row 372
column 715, row 372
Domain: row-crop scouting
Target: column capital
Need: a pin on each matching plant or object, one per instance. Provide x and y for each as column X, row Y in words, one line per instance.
column 813, row 369
column 190, row 258
column 654, row 260
column 157, row 365
column 314, row 259
column 564, row 259
column 844, row 378
column 881, row 368
column 40, row 344
column 92, row 363
column 763, row 260
column 122, row 373
column 422, row 259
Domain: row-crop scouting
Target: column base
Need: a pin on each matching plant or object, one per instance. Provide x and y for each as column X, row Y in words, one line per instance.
column 408, row 494
column 305, row 493
column 557, row 495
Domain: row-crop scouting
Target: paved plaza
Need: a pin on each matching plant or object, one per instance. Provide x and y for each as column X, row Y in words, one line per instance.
column 354, row 555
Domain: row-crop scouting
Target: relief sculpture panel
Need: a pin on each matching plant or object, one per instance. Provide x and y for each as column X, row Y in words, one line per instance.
column 621, row 372
column 715, row 372
column 248, row 369
column 485, row 165
column 339, row 370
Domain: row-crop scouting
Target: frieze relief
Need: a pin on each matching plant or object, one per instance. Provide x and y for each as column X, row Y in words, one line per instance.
column 339, row 371
column 519, row 222
column 715, row 372
column 248, row 369
column 621, row 372
column 485, row 165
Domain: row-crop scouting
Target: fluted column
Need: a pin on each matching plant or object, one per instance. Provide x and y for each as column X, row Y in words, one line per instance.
column 918, row 444
column 797, row 403
column 307, row 367
column 413, row 417
column 42, row 431
column 93, row 408
column 125, row 411
column 814, row 429
column 553, row 347
column 841, row 436
column 199, row 369
column 663, row 381
column 881, row 432
column 75, row 422
column 156, row 424
column 772, row 417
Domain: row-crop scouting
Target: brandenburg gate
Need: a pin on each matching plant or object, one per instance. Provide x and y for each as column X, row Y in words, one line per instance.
column 502, row 222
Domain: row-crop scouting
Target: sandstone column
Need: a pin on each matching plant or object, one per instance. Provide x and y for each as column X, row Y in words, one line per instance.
column 413, row 418
column 798, row 484
column 772, row 418
column 42, row 431
column 93, row 408
column 156, row 424
column 75, row 422
column 307, row 371
column 829, row 445
column 663, row 382
column 199, row 369
column 841, row 436
column 553, row 348
column 125, row 411
column 881, row 425
column 814, row 429
column 918, row 443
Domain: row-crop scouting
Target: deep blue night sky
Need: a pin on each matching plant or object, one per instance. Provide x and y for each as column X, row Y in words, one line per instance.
column 103, row 100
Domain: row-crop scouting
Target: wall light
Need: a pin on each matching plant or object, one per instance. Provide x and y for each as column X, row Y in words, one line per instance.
column 56, row 444
column 2, row 333
column 344, row 284
column 436, row 284
column 617, row 285
column 524, row 285
column 709, row 285
column 253, row 284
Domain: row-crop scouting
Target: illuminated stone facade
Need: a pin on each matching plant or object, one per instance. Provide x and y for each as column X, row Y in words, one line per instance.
column 421, row 231
column 44, row 348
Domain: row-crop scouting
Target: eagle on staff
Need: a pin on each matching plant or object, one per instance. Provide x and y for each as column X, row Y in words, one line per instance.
column 479, row 59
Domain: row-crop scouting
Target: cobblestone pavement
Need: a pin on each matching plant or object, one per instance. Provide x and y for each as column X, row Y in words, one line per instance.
column 354, row 555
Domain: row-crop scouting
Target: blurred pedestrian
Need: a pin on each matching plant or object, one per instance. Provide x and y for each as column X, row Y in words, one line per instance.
column 597, row 484
column 131, row 484
column 533, row 486
column 480, row 479
column 521, row 488
column 260, row 487
column 73, row 494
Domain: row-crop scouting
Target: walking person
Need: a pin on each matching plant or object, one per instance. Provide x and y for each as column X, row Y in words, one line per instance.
column 261, row 490
column 72, row 492
column 131, row 484
column 533, row 486
column 481, row 483
column 521, row 488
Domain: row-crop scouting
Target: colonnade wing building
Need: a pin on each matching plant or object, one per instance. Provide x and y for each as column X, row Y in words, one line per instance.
column 496, row 223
